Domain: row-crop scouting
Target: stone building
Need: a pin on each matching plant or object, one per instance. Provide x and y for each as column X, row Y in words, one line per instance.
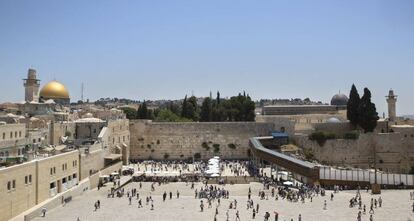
column 24, row 185
column 304, row 116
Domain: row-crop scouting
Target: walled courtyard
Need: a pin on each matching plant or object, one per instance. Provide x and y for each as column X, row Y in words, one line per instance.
column 396, row 205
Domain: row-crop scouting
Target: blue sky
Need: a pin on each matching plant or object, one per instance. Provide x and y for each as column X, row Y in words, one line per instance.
column 166, row 49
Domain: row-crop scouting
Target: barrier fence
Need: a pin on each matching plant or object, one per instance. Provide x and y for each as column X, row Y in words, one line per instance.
column 359, row 175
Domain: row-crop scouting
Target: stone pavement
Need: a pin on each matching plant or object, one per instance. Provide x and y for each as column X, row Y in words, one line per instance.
column 396, row 206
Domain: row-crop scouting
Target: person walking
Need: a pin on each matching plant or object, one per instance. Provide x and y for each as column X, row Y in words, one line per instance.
column 237, row 215
column 44, row 210
column 276, row 216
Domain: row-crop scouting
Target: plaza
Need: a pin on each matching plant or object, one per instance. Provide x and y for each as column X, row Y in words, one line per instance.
column 396, row 205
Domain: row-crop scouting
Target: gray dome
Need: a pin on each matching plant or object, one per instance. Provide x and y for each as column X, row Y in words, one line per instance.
column 339, row 100
column 333, row 120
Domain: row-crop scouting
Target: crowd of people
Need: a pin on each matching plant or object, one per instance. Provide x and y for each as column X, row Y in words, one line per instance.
column 213, row 196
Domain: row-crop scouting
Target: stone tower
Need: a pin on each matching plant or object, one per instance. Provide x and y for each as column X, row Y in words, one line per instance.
column 392, row 100
column 31, row 86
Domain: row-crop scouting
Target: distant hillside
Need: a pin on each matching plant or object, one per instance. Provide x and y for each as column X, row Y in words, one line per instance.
column 411, row 116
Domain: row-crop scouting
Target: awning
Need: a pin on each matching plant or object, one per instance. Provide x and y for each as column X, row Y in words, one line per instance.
column 113, row 157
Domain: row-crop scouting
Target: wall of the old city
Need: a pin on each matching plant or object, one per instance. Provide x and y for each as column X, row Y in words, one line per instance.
column 155, row 140
column 394, row 151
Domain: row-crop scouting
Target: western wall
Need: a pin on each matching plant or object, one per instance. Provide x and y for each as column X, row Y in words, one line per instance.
column 185, row 140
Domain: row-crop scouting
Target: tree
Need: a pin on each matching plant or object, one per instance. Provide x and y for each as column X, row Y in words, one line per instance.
column 353, row 106
column 367, row 113
column 130, row 113
column 184, row 108
column 206, row 110
column 174, row 108
column 193, row 109
column 142, row 112
column 166, row 115
column 189, row 109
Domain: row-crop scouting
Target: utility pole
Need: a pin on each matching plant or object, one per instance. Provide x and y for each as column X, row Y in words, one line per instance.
column 82, row 91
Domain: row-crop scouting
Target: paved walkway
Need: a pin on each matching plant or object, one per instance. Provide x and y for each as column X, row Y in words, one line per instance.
column 396, row 206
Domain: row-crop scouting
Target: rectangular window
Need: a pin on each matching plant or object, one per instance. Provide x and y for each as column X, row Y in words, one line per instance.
column 20, row 134
column 51, row 171
column 14, row 184
column 64, row 180
column 69, row 178
column 30, row 178
column 15, row 134
column 52, row 185
column 26, row 180
column 9, row 185
column 63, row 167
column 123, row 138
column 54, row 170
column 11, row 134
column 74, row 176
column 4, row 136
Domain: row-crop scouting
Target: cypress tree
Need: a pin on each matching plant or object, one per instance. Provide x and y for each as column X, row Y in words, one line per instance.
column 367, row 113
column 352, row 106
column 184, row 108
column 142, row 112
column 206, row 111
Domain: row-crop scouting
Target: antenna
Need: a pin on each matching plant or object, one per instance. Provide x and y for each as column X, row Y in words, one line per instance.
column 82, row 91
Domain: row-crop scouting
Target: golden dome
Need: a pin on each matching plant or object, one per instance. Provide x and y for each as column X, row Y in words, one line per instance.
column 54, row 90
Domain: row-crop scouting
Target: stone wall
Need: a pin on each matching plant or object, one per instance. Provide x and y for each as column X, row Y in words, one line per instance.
column 91, row 162
column 230, row 140
column 59, row 129
column 281, row 123
column 23, row 195
column 56, row 170
column 394, row 151
column 119, row 138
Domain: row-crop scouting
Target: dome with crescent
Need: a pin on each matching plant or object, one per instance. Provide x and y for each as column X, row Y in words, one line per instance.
column 56, row 91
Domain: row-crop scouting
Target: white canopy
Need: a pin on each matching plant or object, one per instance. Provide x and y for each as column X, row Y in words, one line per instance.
column 288, row 183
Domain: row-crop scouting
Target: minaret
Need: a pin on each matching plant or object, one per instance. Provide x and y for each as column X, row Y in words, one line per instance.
column 392, row 100
column 31, row 86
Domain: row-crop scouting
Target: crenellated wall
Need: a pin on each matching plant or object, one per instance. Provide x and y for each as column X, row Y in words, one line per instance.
column 155, row 140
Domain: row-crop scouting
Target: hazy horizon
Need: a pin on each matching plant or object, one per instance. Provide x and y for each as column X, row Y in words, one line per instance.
column 165, row 50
